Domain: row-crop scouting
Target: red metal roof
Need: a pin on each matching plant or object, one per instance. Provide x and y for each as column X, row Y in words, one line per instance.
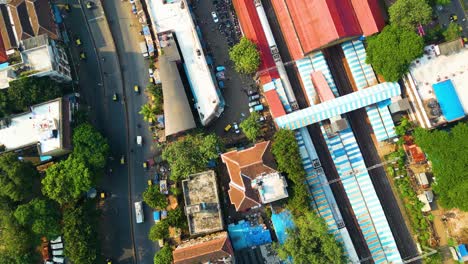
column 3, row 55
column 274, row 102
column 323, row 90
column 308, row 25
column 252, row 29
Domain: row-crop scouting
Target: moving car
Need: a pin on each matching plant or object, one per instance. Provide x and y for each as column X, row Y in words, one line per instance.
column 215, row 17
column 236, row 128
column 139, row 140
column 139, row 212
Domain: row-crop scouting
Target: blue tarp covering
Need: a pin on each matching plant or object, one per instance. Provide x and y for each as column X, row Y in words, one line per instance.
column 146, row 31
column 244, row 235
column 282, row 222
column 45, row 158
column 4, row 65
column 150, row 47
column 448, row 100
column 57, row 15
column 462, row 250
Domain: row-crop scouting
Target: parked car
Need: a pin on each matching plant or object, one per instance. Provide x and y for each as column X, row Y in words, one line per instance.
column 161, row 243
column 236, row 128
column 215, row 17
column 163, row 214
column 254, row 97
column 256, row 108
column 254, row 103
column 156, row 178
column 151, row 72
column 261, row 119
column 252, row 92
column 156, row 216
column 163, row 187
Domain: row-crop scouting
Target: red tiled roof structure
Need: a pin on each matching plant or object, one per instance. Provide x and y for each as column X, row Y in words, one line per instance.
column 244, row 166
column 276, row 107
column 252, row 29
column 3, row 55
column 308, row 25
column 207, row 250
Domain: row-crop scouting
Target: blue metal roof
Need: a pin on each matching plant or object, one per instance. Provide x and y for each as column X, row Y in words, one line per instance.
column 338, row 106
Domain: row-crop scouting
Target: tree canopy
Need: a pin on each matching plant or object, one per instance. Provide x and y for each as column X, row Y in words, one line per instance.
column 67, row 180
column 452, row 32
column 286, row 152
column 176, row 218
column 408, row 14
column 159, row 231
column 251, row 127
column 154, row 198
column 42, row 216
column 448, row 152
column 392, row 51
column 16, row 177
column 90, row 146
column 245, row 56
column 310, row 242
column 163, row 256
column 79, row 231
column 191, row 154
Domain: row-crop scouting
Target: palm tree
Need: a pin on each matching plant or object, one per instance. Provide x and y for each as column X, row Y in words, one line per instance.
column 148, row 112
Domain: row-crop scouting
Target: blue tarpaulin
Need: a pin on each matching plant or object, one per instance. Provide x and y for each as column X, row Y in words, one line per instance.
column 282, row 222
column 146, row 31
column 449, row 103
column 57, row 15
column 244, row 235
column 4, row 65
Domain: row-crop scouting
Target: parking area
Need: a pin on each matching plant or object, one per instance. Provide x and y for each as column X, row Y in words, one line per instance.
column 236, row 86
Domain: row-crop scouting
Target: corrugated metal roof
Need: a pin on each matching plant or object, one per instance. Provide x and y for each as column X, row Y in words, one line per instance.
column 276, row 107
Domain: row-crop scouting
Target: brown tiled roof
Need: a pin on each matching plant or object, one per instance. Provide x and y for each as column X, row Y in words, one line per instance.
column 244, row 166
column 6, row 30
column 41, row 17
column 20, row 16
column 209, row 251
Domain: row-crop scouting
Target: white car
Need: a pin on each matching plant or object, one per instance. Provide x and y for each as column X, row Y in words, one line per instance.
column 139, row 140
column 254, row 103
column 151, row 72
column 215, row 17
column 236, row 127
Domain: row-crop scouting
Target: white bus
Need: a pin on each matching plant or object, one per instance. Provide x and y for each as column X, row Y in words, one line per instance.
column 139, row 212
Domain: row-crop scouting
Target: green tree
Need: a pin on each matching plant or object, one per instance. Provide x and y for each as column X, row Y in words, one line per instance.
column 452, row 32
column 286, row 152
column 90, row 146
column 159, row 231
column 409, row 14
column 154, row 198
column 448, row 152
column 176, row 218
column 80, row 234
column 67, row 180
column 42, row 216
column 245, row 56
column 392, row 51
column 16, row 177
column 6, row 258
column 149, row 112
column 28, row 91
column 163, row 256
column 191, row 154
column 251, row 127
column 443, row 2
column 310, row 242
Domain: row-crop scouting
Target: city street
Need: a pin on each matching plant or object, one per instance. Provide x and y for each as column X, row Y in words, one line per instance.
column 100, row 77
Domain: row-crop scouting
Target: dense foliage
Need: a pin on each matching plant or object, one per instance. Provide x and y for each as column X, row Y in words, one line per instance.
column 163, row 256
column 251, row 127
column 309, row 241
column 16, row 177
column 159, row 231
column 448, row 152
column 392, row 51
column 79, row 231
column 154, row 198
column 191, row 154
column 245, row 56
column 42, row 216
column 90, row 146
column 452, row 32
column 66, row 181
column 176, row 218
column 25, row 92
column 408, row 14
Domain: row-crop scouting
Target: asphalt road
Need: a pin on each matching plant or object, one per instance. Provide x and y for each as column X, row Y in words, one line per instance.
column 100, row 76
column 454, row 8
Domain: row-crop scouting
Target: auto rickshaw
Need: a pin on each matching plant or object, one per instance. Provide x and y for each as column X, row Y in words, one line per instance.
column 227, row 128
column 150, row 182
column 145, row 164
column 114, row 97
column 136, row 88
column 82, row 55
column 67, row 8
column 122, row 160
column 77, row 41
column 89, row 5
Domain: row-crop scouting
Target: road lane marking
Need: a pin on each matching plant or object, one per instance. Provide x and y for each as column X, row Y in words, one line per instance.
column 96, row 18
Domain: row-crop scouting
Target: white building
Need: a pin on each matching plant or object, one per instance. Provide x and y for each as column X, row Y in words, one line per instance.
column 41, row 56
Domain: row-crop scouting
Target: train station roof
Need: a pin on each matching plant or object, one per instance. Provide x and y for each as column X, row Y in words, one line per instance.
column 309, row 25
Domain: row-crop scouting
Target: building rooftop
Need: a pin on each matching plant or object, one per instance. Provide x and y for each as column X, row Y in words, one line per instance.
column 433, row 68
column 202, row 203
column 310, row 25
column 176, row 17
column 42, row 126
column 214, row 248
column 252, row 177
